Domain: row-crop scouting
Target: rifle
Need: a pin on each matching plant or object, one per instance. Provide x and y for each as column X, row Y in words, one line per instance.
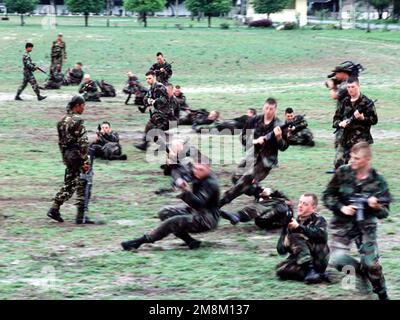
column 360, row 201
column 352, row 118
column 41, row 70
column 88, row 177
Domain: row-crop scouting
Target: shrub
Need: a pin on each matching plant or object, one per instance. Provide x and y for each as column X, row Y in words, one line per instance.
column 224, row 25
column 263, row 23
column 290, row 25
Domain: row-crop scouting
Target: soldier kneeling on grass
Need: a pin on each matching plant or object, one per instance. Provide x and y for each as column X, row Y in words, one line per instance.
column 306, row 241
column 199, row 214
column 107, row 144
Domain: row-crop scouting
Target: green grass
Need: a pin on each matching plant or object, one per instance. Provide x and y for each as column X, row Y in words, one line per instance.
column 229, row 70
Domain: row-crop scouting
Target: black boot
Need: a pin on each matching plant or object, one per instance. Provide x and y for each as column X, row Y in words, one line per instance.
column 234, row 219
column 18, row 98
column 55, row 215
column 312, row 276
column 142, row 109
column 81, row 217
column 134, row 244
column 143, row 146
column 39, row 97
column 383, row 296
column 191, row 242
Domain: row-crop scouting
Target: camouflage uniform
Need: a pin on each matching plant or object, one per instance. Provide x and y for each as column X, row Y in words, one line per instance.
column 174, row 106
column 56, row 80
column 74, row 76
column 162, row 76
column 259, row 160
column 58, row 53
column 301, row 135
column 182, row 101
column 192, row 116
column 345, row 228
column 200, row 214
column 107, row 146
column 73, row 143
column 29, row 68
column 90, row 91
column 306, row 244
column 356, row 131
column 133, row 86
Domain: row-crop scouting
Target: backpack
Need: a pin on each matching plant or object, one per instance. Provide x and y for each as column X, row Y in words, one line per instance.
column 107, row 89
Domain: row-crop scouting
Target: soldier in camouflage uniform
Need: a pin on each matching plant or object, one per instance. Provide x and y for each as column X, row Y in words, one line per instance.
column 362, row 111
column 199, row 214
column 56, row 79
column 89, row 89
column 133, row 86
column 162, row 69
column 305, row 239
column 300, row 134
column 75, row 75
column 173, row 102
column 156, row 100
column 260, row 159
column 349, row 180
column 73, row 143
column 58, row 52
column 181, row 98
column 269, row 212
column 107, row 144
column 29, row 68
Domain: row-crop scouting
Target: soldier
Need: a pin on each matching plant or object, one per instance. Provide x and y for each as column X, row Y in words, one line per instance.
column 73, row 143
column 156, row 100
column 355, row 116
column 89, row 89
column 358, row 178
column 300, row 134
column 203, row 120
column 199, row 214
column 173, row 102
column 29, row 68
column 58, row 52
column 269, row 212
column 107, row 144
column 268, row 139
column 133, row 86
column 306, row 241
column 56, row 79
column 189, row 116
column 337, row 85
column 181, row 98
column 75, row 75
column 162, row 69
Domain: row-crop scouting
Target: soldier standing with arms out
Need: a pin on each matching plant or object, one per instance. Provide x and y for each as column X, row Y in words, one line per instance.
column 260, row 159
column 156, row 100
column 162, row 69
column 355, row 116
column 58, row 52
column 199, row 214
column 29, row 68
column 73, row 143
column 358, row 178
column 305, row 239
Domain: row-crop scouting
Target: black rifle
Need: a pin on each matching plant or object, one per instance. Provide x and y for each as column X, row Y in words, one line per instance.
column 88, row 177
column 360, row 202
column 40, row 69
column 352, row 118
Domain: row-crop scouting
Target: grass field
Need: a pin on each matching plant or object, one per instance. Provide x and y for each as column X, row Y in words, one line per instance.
column 228, row 70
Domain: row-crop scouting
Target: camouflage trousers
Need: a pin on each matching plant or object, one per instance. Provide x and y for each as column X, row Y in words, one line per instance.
column 110, row 151
column 92, row 96
column 72, row 181
column 302, row 253
column 266, row 216
column 182, row 220
column 364, row 235
column 342, row 156
column 55, row 62
column 248, row 174
column 303, row 137
column 29, row 78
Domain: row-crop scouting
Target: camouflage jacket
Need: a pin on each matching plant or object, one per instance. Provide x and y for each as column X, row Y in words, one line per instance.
column 134, row 86
column 29, row 66
column 158, row 93
column 269, row 150
column 75, row 76
column 314, row 228
column 59, row 50
column 344, row 184
column 90, row 87
column 182, row 101
column 72, row 135
column 104, row 138
column 301, row 126
column 162, row 76
column 174, row 106
column 357, row 130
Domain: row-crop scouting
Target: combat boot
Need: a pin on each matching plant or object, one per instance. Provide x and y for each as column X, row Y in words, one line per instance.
column 18, row 98
column 55, row 215
column 39, row 97
column 82, row 219
column 142, row 109
column 234, row 219
column 383, row 296
column 143, row 146
column 190, row 242
column 312, row 276
column 134, row 244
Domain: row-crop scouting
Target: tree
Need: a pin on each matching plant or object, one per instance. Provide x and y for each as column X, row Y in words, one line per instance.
column 209, row 7
column 144, row 7
column 396, row 9
column 21, row 7
column 380, row 6
column 269, row 6
column 85, row 7
column 173, row 4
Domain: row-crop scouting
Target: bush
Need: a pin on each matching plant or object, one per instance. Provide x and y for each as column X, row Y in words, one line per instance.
column 290, row 25
column 224, row 25
column 264, row 23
